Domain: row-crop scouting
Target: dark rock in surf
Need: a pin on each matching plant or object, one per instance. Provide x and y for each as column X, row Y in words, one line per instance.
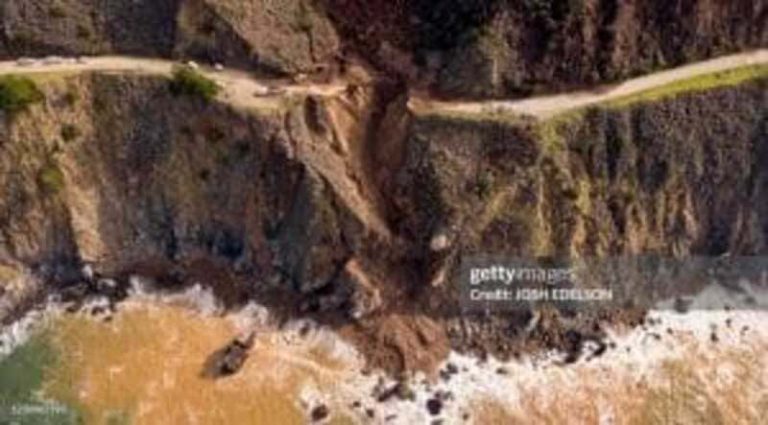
column 230, row 359
column 319, row 413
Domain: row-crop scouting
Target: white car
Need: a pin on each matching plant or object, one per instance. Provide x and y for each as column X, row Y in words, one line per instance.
column 193, row 65
column 300, row 78
column 218, row 67
column 53, row 60
column 276, row 91
column 261, row 91
column 26, row 62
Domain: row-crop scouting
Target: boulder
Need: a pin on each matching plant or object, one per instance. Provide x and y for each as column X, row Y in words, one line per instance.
column 231, row 358
column 365, row 296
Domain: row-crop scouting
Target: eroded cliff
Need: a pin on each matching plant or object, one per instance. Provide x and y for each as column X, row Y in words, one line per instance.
column 285, row 37
column 118, row 172
column 353, row 210
column 455, row 48
column 504, row 48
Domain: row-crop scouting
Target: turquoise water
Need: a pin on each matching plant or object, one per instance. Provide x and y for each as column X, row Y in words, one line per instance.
column 22, row 375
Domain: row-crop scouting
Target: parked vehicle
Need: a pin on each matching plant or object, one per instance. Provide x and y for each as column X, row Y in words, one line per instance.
column 262, row 91
column 26, row 62
column 53, row 60
column 276, row 91
column 300, row 78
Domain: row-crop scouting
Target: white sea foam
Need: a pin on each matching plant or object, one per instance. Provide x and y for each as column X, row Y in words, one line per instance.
column 18, row 333
column 196, row 297
column 639, row 356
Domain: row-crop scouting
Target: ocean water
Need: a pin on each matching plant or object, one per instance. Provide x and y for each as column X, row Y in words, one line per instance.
column 143, row 365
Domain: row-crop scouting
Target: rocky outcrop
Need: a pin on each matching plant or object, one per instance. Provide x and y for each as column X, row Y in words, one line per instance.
column 504, row 48
column 362, row 211
column 456, row 48
column 158, row 178
column 535, row 46
column 87, row 27
column 677, row 177
column 286, row 37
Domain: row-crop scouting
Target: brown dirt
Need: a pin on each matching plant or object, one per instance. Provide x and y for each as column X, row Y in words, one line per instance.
column 400, row 344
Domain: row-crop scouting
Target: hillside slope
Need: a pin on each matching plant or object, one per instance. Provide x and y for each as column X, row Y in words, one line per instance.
column 456, row 48
column 276, row 37
column 349, row 204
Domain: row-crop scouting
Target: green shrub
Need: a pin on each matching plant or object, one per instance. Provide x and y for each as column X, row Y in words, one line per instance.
column 188, row 82
column 57, row 11
column 483, row 184
column 51, row 179
column 71, row 98
column 695, row 84
column 303, row 18
column 70, row 132
column 83, row 32
column 17, row 93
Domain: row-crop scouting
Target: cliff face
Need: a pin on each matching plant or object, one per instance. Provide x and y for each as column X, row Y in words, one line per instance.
column 533, row 45
column 86, row 177
column 284, row 37
column 504, row 48
column 677, row 176
column 457, row 48
column 118, row 172
column 87, row 27
column 356, row 206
